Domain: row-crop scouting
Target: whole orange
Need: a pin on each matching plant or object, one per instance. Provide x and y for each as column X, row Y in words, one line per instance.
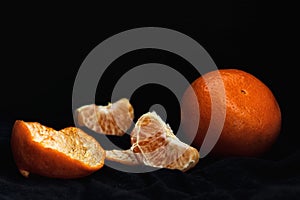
column 252, row 118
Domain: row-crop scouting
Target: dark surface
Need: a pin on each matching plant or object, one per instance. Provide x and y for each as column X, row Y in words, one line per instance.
column 269, row 177
column 45, row 48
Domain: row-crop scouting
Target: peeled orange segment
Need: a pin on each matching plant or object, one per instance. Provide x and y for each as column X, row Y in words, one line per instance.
column 126, row 157
column 68, row 153
column 113, row 119
column 186, row 160
column 159, row 146
column 155, row 145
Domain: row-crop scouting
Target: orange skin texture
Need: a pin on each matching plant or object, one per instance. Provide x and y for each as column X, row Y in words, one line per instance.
column 34, row 158
column 252, row 120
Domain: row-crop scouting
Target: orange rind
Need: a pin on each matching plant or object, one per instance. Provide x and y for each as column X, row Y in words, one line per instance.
column 67, row 153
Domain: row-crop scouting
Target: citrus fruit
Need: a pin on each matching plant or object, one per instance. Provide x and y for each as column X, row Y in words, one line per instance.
column 252, row 119
column 113, row 119
column 155, row 145
column 67, row 153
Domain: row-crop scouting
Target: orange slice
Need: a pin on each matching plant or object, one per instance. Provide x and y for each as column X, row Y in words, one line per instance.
column 126, row 157
column 113, row 119
column 155, row 145
column 68, row 153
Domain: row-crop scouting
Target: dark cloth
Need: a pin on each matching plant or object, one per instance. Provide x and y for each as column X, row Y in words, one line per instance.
column 274, row 176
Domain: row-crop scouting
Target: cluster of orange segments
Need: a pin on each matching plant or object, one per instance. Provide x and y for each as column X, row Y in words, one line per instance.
column 252, row 124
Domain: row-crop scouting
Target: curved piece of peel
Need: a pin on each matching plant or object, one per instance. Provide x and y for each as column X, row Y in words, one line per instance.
column 113, row 119
column 68, row 153
column 155, row 145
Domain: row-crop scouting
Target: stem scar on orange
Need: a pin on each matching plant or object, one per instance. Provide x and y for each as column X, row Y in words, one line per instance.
column 253, row 116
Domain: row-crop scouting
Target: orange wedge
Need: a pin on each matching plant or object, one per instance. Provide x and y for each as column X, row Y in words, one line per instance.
column 68, row 153
column 113, row 119
column 155, row 145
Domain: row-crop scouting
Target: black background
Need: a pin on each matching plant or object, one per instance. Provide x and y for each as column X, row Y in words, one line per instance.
column 43, row 48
